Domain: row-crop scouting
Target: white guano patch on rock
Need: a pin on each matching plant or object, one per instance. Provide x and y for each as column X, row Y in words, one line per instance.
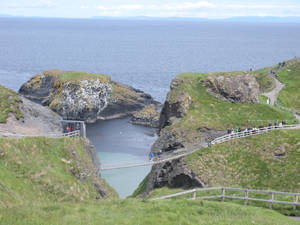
column 84, row 99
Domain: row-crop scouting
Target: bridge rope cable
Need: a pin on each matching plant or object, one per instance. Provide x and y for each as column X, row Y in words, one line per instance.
column 218, row 140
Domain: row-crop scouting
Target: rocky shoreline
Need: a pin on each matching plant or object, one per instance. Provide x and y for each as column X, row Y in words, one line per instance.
column 85, row 96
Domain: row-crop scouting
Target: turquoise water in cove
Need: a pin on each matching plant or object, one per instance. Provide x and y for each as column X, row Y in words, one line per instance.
column 144, row 54
column 121, row 143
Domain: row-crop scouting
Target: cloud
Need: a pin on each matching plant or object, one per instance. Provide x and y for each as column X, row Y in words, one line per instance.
column 195, row 9
column 162, row 7
column 34, row 5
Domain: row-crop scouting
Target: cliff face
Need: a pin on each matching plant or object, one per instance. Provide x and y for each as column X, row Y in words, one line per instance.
column 198, row 109
column 84, row 96
column 35, row 120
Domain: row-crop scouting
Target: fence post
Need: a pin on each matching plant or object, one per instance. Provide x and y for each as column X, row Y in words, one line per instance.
column 246, row 196
column 295, row 201
column 272, row 198
column 223, row 194
column 194, row 194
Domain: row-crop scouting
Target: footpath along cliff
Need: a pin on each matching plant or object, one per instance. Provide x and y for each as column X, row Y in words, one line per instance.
column 202, row 107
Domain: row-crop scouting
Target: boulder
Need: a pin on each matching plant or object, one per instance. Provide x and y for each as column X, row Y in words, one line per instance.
column 149, row 116
column 236, row 89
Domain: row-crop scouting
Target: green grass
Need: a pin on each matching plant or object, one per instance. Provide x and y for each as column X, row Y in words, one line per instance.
column 289, row 97
column 39, row 184
column 141, row 188
column 251, row 162
column 266, row 83
column 263, row 99
column 136, row 212
column 281, row 208
column 209, row 112
column 9, row 104
column 77, row 76
column 45, row 169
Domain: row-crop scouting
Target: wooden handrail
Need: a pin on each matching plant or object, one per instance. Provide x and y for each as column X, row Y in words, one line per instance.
column 295, row 203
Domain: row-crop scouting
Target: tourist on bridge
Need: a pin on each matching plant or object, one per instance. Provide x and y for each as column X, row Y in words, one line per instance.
column 151, row 156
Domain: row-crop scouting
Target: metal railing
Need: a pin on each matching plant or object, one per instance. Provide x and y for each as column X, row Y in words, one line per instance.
column 246, row 197
column 75, row 133
column 218, row 140
column 257, row 131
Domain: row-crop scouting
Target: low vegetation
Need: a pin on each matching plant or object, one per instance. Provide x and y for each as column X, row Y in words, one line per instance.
column 40, row 183
column 77, row 76
column 44, row 169
column 208, row 112
column 267, row 161
column 9, row 104
column 264, row 162
column 289, row 97
column 266, row 82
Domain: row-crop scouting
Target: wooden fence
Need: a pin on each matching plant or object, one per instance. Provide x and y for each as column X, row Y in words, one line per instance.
column 246, row 198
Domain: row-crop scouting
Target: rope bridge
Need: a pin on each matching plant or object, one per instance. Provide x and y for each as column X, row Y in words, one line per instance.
column 218, row 140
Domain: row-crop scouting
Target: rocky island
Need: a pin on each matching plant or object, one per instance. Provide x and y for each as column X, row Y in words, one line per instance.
column 85, row 96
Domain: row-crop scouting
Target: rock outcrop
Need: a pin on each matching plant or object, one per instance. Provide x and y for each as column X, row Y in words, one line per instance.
column 238, row 89
column 172, row 174
column 37, row 120
column 149, row 117
column 84, row 96
column 174, row 108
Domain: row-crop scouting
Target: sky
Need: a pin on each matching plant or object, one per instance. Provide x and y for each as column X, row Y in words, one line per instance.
column 153, row 8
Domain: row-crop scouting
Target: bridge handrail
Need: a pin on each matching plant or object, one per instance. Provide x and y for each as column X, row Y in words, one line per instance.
column 252, row 132
column 295, row 203
column 215, row 141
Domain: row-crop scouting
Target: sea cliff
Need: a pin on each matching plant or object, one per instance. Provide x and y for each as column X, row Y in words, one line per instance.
column 203, row 106
column 85, row 96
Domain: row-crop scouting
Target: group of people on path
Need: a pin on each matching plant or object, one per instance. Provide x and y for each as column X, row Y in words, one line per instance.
column 69, row 129
column 154, row 156
column 261, row 127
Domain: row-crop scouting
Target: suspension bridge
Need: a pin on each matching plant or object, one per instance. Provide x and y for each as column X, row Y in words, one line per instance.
column 219, row 140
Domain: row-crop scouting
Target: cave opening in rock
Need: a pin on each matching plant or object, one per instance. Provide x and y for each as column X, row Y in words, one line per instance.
column 184, row 181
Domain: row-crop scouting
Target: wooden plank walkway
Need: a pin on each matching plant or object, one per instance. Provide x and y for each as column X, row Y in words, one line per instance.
column 218, row 140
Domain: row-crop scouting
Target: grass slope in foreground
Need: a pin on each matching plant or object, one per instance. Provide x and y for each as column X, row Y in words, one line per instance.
column 44, row 169
column 38, row 186
column 264, row 162
column 136, row 212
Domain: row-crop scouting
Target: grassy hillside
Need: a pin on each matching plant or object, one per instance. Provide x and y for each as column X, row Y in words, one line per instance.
column 44, row 169
column 268, row 161
column 42, row 182
column 290, row 75
column 9, row 104
column 206, row 111
column 136, row 212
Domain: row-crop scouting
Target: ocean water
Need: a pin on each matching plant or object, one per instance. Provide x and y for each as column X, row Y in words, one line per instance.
column 121, row 143
column 144, row 54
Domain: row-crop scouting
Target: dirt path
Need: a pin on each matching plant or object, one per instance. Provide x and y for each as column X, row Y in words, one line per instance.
column 272, row 95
